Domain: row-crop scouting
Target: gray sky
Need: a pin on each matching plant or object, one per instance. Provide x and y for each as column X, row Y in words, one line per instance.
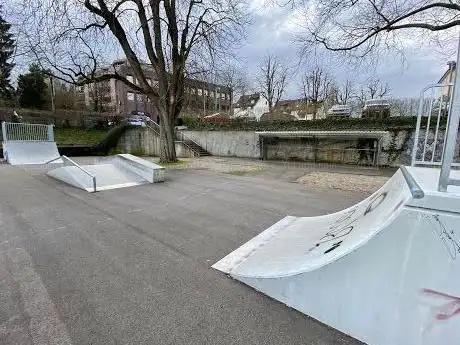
column 274, row 30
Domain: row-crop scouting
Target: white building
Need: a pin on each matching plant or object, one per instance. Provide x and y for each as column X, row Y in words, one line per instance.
column 250, row 106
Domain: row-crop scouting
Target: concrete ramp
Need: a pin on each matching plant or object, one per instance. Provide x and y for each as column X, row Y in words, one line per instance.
column 117, row 172
column 385, row 271
column 30, row 152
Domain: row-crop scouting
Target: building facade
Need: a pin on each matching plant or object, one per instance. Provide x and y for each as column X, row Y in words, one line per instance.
column 201, row 98
column 250, row 106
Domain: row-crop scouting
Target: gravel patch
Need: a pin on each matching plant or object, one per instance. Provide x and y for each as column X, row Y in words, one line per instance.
column 349, row 182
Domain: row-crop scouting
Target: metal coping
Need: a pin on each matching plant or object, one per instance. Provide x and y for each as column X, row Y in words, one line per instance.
column 414, row 187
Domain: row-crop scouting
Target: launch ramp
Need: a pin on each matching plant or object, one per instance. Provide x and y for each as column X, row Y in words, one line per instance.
column 123, row 170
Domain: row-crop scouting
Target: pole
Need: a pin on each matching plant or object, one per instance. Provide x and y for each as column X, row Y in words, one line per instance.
column 53, row 106
column 451, row 133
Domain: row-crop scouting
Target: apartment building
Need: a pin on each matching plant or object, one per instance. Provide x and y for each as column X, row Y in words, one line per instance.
column 201, row 98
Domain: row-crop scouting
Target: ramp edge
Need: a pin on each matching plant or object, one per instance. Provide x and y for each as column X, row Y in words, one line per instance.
column 230, row 262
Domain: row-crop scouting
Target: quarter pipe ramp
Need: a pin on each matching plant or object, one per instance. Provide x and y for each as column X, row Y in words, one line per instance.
column 30, row 152
column 384, row 271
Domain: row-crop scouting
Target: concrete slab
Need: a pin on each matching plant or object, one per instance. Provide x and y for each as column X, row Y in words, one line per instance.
column 133, row 266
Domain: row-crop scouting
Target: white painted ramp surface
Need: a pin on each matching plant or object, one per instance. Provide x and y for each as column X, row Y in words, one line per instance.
column 30, row 152
column 116, row 172
column 385, row 272
column 300, row 244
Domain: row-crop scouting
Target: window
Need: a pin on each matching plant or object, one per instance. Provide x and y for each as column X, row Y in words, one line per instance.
column 200, row 92
column 130, row 78
column 130, row 96
column 205, row 92
column 222, row 96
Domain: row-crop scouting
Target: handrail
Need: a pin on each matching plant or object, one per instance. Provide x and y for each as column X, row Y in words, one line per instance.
column 75, row 164
column 155, row 126
column 414, row 187
column 183, row 140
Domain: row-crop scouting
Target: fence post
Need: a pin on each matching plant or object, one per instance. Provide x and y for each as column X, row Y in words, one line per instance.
column 4, row 134
column 50, row 133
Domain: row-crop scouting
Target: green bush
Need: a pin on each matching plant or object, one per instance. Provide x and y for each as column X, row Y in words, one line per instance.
column 111, row 139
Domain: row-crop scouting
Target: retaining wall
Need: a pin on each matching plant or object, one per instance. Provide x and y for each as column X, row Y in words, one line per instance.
column 396, row 147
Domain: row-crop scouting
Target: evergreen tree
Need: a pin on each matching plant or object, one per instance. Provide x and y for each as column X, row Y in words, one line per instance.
column 7, row 45
column 32, row 89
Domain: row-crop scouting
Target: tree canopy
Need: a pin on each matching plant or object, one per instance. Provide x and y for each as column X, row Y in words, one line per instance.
column 7, row 45
column 32, row 89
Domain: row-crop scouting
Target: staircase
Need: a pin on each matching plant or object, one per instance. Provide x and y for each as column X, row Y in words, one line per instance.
column 195, row 147
column 198, row 150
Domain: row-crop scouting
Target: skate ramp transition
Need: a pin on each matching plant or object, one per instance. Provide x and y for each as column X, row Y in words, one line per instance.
column 122, row 170
column 30, row 152
column 385, row 271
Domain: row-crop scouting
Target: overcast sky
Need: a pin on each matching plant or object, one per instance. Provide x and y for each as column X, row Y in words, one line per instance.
column 274, row 30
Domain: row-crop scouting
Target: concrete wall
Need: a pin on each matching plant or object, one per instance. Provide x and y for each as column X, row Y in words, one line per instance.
column 227, row 143
column 396, row 147
column 145, row 142
column 140, row 141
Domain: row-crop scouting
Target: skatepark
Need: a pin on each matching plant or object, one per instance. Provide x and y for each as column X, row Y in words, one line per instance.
column 138, row 261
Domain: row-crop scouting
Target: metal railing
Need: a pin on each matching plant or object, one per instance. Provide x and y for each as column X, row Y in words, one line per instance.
column 12, row 131
column 430, row 134
column 179, row 135
column 451, row 135
column 449, row 138
column 75, row 164
column 184, row 138
column 152, row 125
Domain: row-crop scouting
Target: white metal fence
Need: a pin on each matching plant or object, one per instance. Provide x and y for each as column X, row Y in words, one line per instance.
column 26, row 132
column 430, row 135
column 439, row 146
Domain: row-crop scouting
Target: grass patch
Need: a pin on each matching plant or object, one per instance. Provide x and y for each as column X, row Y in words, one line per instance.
column 75, row 136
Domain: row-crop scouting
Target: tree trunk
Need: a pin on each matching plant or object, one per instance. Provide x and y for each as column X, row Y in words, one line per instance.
column 167, row 137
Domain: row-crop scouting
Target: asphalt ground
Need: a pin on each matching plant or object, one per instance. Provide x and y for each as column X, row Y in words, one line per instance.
column 133, row 265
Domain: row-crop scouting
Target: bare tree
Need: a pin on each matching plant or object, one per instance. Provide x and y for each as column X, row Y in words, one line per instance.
column 376, row 89
column 74, row 39
column 272, row 79
column 232, row 77
column 316, row 86
column 364, row 25
column 345, row 92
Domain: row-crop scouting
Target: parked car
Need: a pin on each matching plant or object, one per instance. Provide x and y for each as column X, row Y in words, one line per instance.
column 339, row 111
column 136, row 120
column 376, row 109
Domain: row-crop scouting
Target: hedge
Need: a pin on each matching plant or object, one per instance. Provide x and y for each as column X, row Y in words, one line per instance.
column 388, row 124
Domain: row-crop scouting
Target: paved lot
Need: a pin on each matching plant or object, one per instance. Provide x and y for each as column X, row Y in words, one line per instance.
column 132, row 266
